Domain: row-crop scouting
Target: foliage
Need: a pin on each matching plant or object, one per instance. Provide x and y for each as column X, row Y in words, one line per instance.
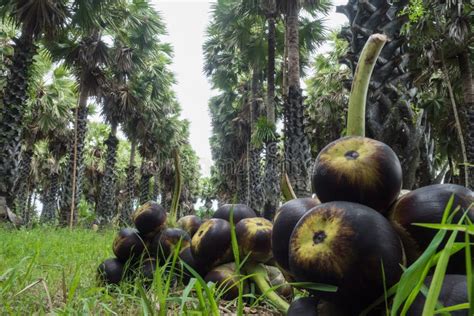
column 443, row 51
column 327, row 96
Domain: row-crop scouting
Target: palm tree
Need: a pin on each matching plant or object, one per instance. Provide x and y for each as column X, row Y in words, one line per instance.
column 297, row 150
column 57, row 146
column 51, row 95
column 272, row 174
column 85, row 56
column 240, row 33
column 153, row 100
column 142, row 25
column 327, row 100
column 82, row 47
column 34, row 18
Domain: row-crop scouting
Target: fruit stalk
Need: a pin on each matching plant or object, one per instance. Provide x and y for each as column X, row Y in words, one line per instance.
column 360, row 84
column 286, row 188
column 258, row 275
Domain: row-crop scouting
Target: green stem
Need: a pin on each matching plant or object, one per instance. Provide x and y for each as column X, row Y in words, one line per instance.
column 178, row 183
column 258, row 274
column 286, row 188
column 360, row 84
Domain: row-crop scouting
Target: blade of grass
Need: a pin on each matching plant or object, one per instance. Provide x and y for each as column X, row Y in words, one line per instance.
column 469, row 275
column 184, row 297
column 146, row 304
column 236, row 252
column 455, row 227
column 26, row 276
column 453, row 308
column 314, row 286
column 200, row 296
column 437, row 281
column 384, row 288
column 394, row 288
column 411, row 298
column 214, row 309
column 76, row 279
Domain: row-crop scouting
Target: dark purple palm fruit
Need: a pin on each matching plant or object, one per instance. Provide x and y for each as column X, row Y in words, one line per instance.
column 240, row 211
column 128, row 245
column 165, row 242
column 190, row 224
column 110, row 271
column 149, row 219
column 226, row 280
column 345, row 244
column 427, row 205
column 285, row 220
column 254, row 236
column 211, row 245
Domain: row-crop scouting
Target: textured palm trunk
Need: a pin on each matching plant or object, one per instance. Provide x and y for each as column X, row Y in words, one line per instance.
column 255, row 173
column 297, row 151
column 72, row 189
column 145, row 178
column 50, row 201
column 271, row 181
column 130, row 186
column 389, row 115
column 468, row 92
column 14, row 99
column 178, row 193
column 156, row 187
column 242, row 180
column 106, row 205
column 23, row 185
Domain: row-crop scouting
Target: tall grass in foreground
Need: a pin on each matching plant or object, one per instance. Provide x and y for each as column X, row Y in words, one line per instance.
column 48, row 269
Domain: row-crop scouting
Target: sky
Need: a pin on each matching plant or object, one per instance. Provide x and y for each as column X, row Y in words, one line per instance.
column 186, row 21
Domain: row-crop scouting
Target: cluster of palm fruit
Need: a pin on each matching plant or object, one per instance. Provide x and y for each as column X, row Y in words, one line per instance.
column 359, row 230
column 205, row 246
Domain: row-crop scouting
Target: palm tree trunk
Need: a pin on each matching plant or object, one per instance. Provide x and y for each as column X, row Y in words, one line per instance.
column 23, row 183
column 75, row 169
column 292, row 21
column 284, row 65
column 178, row 186
column 145, row 177
column 255, row 175
column 156, row 187
column 242, row 179
column 14, row 99
column 106, row 204
column 297, row 151
column 130, row 183
column 465, row 69
column 271, row 178
column 50, row 202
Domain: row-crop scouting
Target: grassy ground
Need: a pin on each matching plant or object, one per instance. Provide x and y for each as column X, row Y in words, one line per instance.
column 45, row 269
column 52, row 270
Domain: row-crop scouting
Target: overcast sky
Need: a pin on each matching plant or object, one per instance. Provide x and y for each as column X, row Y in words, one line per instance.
column 186, row 21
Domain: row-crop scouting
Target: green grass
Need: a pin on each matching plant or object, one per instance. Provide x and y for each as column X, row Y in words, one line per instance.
column 53, row 270
column 58, row 262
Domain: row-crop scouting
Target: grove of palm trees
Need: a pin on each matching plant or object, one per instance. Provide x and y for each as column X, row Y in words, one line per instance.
column 342, row 168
